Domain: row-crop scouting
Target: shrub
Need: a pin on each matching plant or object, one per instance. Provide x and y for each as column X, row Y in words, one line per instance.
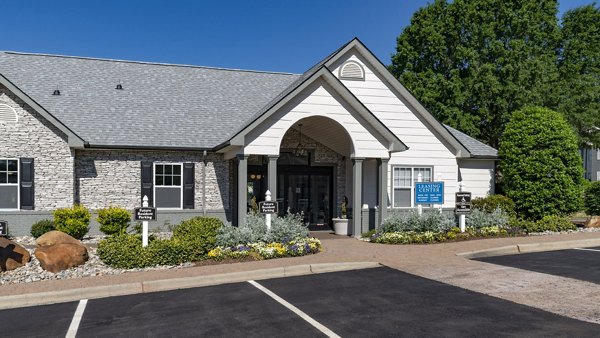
column 41, row 227
column 592, row 198
column 493, row 202
column 547, row 223
column 479, row 218
column 113, row 220
column 201, row 232
column 540, row 163
column 254, row 230
column 428, row 221
column 73, row 221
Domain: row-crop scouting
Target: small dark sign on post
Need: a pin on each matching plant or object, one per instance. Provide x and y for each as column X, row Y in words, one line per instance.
column 268, row 207
column 3, row 228
column 145, row 214
column 463, row 203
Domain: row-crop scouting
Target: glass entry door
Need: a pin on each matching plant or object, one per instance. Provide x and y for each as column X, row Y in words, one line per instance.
column 307, row 191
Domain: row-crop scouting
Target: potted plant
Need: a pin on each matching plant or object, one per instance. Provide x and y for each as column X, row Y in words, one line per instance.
column 341, row 224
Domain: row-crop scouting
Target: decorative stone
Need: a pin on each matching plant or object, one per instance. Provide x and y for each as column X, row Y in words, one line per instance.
column 61, row 256
column 12, row 255
column 593, row 222
column 55, row 237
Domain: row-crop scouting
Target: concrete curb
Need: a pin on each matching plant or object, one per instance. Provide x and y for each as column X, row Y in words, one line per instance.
column 71, row 295
column 528, row 248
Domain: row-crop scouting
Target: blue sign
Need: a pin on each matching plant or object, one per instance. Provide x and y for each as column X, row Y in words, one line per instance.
column 429, row 193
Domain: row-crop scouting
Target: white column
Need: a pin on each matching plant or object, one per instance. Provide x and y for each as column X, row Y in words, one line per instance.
column 242, row 198
column 357, row 196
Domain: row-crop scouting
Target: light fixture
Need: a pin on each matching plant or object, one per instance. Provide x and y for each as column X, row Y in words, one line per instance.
column 119, row 86
column 300, row 150
column 56, row 91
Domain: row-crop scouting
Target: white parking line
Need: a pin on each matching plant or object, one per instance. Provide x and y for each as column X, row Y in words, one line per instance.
column 76, row 319
column 294, row 309
column 587, row 249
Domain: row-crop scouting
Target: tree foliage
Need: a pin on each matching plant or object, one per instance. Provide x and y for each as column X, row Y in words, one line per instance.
column 473, row 63
column 579, row 66
column 540, row 162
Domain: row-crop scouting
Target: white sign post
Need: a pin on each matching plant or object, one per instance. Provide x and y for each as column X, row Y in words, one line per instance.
column 419, row 207
column 461, row 217
column 439, row 179
column 145, row 224
column 268, row 216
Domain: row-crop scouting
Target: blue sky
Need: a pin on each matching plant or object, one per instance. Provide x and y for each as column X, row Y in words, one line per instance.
column 282, row 35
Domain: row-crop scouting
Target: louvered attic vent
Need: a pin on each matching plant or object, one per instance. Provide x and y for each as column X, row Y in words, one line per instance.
column 352, row 70
column 7, row 114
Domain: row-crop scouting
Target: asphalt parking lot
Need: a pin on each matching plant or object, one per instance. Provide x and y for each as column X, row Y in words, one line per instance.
column 369, row 302
column 579, row 263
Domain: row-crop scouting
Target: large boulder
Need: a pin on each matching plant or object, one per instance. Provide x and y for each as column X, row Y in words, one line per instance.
column 593, row 222
column 55, row 237
column 61, row 256
column 12, row 255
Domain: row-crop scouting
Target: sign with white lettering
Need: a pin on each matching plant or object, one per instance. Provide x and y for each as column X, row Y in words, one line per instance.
column 429, row 193
column 145, row 214
column 267, row 207
column 3, row 228
column 463, row 202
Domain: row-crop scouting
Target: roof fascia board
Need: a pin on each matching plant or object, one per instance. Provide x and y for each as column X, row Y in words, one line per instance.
column 74, row 141
column 150, row 148
column 459, row 150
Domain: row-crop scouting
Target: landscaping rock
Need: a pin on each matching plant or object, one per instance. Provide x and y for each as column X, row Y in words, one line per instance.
column 593, row 222
column 56, row 237
column 61, row 256
column 12, row 255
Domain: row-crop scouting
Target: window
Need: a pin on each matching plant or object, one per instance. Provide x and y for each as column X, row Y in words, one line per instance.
column 168, row 189
column 404, row 179
column 9, row 183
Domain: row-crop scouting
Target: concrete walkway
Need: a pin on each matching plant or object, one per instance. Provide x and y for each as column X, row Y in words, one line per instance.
column 442, row 262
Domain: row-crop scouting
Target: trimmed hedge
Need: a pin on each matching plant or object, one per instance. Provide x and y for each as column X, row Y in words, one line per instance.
column 41, row 227
column 201, row 232
column 113, row 220
column 592, row 198
column 493, row 202
column 74, row 221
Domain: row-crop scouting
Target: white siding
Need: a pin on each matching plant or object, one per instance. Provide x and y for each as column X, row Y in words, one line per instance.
column 478, row 176
column 425, row 149
column 318, row 99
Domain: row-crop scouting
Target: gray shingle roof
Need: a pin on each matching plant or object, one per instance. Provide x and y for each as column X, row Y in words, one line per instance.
column 160, row 106
column 476, row 148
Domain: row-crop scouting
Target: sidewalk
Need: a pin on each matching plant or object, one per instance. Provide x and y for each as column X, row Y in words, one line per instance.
column 434, row 261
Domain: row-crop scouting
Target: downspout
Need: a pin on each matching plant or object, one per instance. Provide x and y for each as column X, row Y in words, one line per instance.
column 204, row 184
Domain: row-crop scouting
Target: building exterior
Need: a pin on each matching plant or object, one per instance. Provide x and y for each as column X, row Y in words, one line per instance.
column 591, row 163
column 212, row 141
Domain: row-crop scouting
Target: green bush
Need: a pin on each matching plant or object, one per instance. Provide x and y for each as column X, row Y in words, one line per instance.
column 547, row 223
column 201, row 232
column 283, row 229
column 125, row 251
column 41, row 227
column 73, row 221
column 113, row 220
column 592, row 198
column 428, row 221
column 541, row 167
column 479, row 218
column 493, row 202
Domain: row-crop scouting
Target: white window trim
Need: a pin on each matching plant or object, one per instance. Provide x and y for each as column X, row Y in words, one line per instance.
column 172, row 187
column 413, row 179
column 18, row 184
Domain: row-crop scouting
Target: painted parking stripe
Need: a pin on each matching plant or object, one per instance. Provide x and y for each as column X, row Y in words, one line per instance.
column 587, row 249
column 294, row 309
column 76, row 319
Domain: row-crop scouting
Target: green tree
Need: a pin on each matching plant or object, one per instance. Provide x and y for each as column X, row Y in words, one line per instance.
column 579, row 66
column 540, row 163
column 472, row 63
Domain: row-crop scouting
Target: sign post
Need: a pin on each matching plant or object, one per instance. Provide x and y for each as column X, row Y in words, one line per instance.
column 268, row 207
column 145, row 214
column 419, row 206
column 463, row 205
column 3, row 228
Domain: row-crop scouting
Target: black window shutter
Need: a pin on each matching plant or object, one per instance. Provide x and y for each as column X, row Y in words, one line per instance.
column 147, row 183
column 188, row 185
column 27, row 191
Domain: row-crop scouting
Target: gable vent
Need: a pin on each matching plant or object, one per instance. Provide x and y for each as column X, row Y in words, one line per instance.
column 352, row 70
column 7, row 114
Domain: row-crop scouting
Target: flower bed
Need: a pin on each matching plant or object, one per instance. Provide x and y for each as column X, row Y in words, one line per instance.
column 263, row 250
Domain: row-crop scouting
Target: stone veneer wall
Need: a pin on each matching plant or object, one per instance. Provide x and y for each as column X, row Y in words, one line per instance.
column 322, row 156
column 33, row 136
column 113, row 177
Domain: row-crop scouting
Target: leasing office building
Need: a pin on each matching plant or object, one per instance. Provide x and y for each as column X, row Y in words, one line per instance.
column 206, row 140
